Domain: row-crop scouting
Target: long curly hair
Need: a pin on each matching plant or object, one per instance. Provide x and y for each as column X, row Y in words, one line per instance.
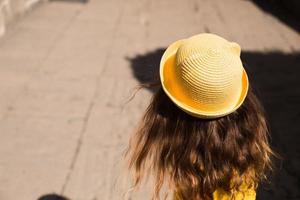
column 194, row 156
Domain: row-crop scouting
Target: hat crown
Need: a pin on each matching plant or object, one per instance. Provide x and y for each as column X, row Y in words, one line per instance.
column 209, row 71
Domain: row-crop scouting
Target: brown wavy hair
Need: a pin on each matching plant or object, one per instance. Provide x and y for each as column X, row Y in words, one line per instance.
column 194, row 156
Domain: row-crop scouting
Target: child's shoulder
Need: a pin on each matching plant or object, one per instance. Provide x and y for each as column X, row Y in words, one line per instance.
column 245, row 192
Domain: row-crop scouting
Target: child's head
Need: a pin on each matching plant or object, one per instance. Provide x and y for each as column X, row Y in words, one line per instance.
column 204, row 76
column 197, row 155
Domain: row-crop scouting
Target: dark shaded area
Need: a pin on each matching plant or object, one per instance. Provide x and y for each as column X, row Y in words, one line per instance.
column 276, row 79
column 287, row 11
column 52, row 197
column 146, row 67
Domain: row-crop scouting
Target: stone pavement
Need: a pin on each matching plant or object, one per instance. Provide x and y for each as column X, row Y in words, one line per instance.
column 67, row 69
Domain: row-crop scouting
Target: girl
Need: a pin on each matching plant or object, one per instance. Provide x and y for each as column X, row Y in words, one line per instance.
column 204, row 134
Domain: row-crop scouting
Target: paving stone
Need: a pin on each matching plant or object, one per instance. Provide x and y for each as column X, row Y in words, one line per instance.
column 68, row 70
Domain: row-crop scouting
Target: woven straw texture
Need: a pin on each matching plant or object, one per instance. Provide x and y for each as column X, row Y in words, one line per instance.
column 204, row 75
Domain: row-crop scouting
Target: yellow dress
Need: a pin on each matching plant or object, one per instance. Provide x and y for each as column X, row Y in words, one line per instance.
column 245, row 194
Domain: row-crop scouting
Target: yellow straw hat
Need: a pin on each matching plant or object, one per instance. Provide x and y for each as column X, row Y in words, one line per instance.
column 204, row 76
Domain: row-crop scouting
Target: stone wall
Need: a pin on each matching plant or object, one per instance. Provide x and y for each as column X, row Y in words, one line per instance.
column 10, row 9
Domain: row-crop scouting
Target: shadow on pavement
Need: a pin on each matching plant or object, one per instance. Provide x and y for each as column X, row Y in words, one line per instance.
column 275, row 77
column 145, row 67
column 287, row 11
column 52, row 197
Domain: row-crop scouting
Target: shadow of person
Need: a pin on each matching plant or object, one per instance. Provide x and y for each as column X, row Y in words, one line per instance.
column 145, row 68
column 275, row 78
column 52, row 197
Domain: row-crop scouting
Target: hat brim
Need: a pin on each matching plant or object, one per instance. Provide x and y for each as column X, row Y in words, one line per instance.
column 171, row 87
